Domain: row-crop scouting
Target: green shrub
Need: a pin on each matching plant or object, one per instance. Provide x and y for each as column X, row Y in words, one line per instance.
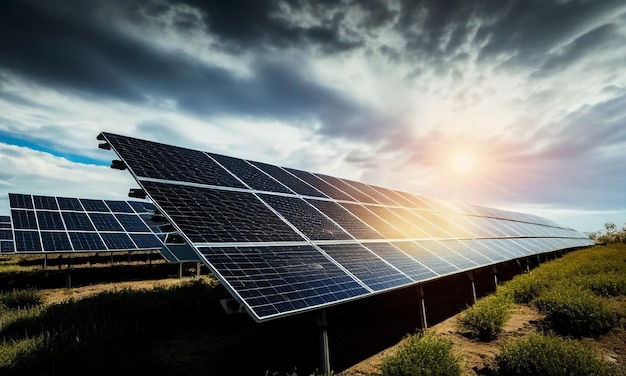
column 422, row 354
column 524, row 288
column 549, row 355
column 572, row 311
column 610, row 284
column 21, row 298
column 485, row 319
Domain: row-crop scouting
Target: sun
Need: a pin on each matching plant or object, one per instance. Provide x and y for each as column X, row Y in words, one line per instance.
column 463, row 162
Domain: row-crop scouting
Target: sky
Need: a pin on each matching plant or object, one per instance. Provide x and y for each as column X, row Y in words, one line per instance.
column 519, row 105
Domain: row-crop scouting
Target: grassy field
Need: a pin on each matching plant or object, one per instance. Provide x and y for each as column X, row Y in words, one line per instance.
column 171, row 327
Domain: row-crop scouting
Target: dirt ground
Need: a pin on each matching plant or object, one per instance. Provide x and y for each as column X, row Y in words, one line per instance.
column 61, row 294
column 479, row 357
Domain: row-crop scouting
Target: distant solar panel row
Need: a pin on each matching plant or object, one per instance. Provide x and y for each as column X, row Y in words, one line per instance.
column 6, row 235
column 284, row 240
column 61, row 224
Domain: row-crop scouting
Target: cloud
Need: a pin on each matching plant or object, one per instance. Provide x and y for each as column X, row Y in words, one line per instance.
column 383, row 91
column 32, row 172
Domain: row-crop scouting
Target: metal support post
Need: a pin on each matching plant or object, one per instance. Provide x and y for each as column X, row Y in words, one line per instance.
column 420, row 291
column 527, row 265
column 45, row 261
column 68, row 275
column 180, row 270
column 322, row 325
column 470, row 275
column 198, row 266
column 495, row 276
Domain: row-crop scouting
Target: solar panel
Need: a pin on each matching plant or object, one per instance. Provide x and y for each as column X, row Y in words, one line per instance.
column 62, row 224
column 284, row 240
column 6, row 235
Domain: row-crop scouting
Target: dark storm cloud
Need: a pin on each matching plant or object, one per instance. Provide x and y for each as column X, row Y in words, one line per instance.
column 66, row 46
column 523, row 33
column 589, row 44
column 530, row 29
column 69, row 46
column 257, row 24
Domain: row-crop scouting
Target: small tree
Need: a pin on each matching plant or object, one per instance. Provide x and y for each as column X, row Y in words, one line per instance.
column 610, row 228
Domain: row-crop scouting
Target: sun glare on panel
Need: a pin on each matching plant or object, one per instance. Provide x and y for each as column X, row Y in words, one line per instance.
column 463, row 162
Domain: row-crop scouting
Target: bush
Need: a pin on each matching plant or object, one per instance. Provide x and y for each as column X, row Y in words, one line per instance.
column 422, row 354
column 524, row 288
column 549, row 355
column 610, row 284
column 21, row 298
column 485, row 319
column 572, row 311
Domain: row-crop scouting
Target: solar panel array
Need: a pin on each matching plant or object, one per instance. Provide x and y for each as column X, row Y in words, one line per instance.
column 61, row 225
column 284, row 240
column 6, row 235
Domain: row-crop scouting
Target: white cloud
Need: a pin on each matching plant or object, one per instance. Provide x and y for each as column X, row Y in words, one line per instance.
column 33, row 172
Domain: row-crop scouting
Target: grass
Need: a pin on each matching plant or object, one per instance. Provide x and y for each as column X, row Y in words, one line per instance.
column 113, row 329
column 549, row 355
column 109, row 330
column 16, row 299
column 423, row 354
column 579, row 293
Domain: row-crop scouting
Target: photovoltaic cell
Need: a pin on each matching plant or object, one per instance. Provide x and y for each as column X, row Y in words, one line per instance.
column 86, row 241
column 371, row 192
column 55, row 241
column 94, row 205
column 384, row 228
column 118, row 241
column 24, row 219
column 401, row 261
column 142, row 207
column 27, row 241
column 146, row 241
column 5, row 221
column 315, row 225
column 132, row 223
column 68, row 203
column 355, row 227
column 45, row 202
column 354, row 193
column 50, row 220
column 105, row 222
column 6, row 235
column 75, row 221
column 272, row 280
column 119, row 206
column 252, row 176
column 289, row 180
column 398, row 222
column 214, row 216
column 6, row 247
column 439, row 248
column 321, row 185
column 161, row 161
column 20, row 201
column 434, row 262
column 366, row 266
